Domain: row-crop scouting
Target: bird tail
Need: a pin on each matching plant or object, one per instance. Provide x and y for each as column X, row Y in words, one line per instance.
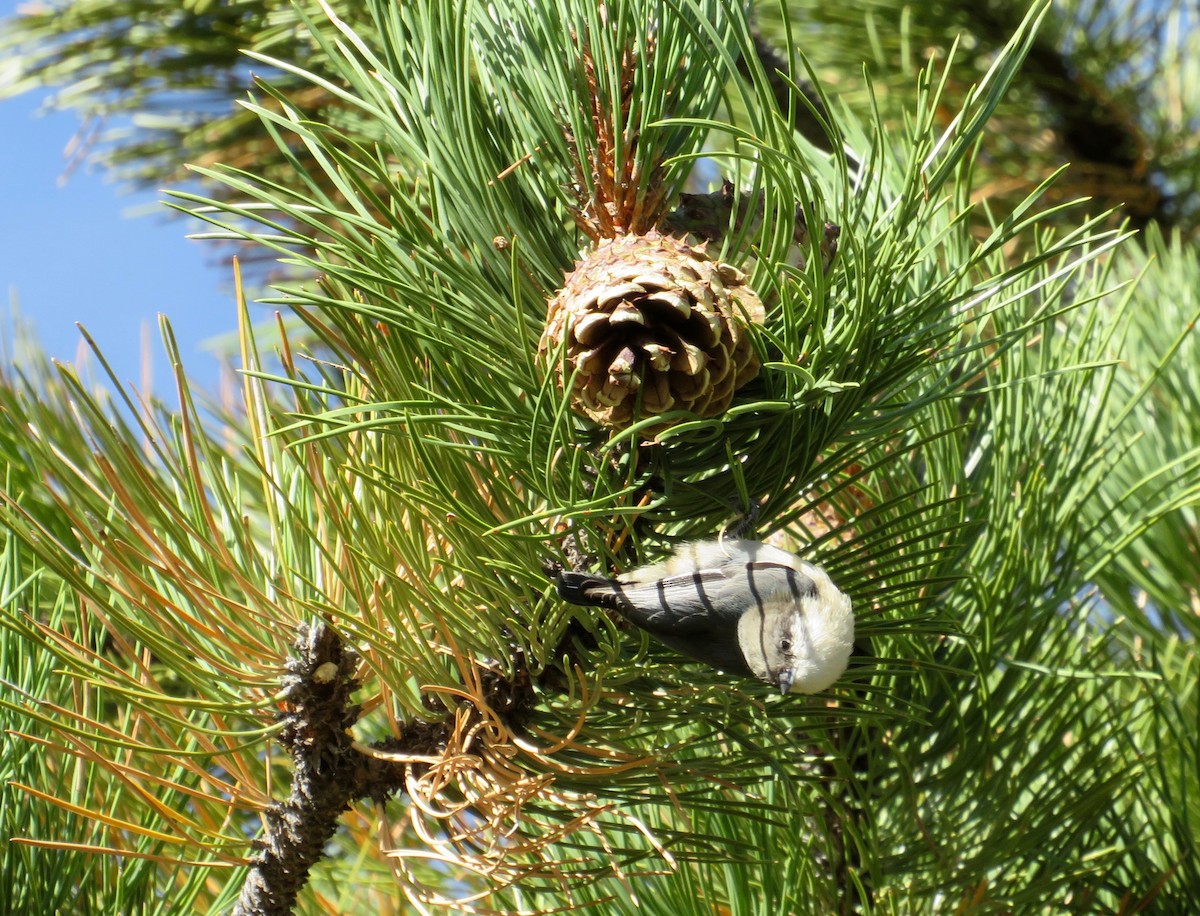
column 587, row 589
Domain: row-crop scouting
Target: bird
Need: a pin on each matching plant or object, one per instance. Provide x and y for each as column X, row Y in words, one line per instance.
column 743, row 607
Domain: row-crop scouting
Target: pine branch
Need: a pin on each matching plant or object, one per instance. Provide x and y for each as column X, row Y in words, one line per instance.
column 424, row 462
column 779, row 77
column 1093, row 125
column 329, row 773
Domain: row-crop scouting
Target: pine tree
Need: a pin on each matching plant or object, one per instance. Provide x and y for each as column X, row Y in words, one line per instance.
column 302, row 652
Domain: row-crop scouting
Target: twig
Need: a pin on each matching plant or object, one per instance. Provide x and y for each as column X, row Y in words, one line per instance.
column 328, row 774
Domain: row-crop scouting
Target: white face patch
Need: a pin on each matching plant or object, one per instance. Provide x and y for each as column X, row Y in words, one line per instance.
column 797, row 641
column 765, row 636
column 803, row 646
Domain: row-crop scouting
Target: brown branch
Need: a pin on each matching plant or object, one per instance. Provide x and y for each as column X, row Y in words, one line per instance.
column 1093, row 125
column 329, row 774
column 779, row 76
column 850, row 806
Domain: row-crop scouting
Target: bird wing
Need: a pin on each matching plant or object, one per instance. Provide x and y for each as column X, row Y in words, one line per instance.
column 708, row 599
column 692, row 602
column 677, row 604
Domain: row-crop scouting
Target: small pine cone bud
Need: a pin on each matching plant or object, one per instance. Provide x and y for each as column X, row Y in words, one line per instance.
column 705, row 218
column 652, row 324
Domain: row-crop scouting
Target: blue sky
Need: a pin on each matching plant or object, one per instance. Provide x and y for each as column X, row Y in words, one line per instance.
column 73, row 250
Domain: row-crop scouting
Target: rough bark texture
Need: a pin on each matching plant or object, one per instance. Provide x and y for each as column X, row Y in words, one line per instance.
column 329, row 775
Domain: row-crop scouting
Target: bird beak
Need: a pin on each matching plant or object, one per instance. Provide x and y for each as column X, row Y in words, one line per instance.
column 785, row 680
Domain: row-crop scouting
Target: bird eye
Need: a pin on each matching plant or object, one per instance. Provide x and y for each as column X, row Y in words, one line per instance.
column 785, row 645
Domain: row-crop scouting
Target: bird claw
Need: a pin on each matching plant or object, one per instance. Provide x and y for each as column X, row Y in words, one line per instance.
column 742, row 525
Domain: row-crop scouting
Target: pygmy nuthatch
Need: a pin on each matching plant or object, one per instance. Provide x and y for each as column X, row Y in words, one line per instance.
column 743, row 607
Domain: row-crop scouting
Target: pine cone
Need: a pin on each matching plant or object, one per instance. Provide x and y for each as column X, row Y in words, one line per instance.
column 652, row 324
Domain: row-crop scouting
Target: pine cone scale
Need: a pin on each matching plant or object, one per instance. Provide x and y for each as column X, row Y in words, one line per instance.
column 624, row 292
column 590, row 329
